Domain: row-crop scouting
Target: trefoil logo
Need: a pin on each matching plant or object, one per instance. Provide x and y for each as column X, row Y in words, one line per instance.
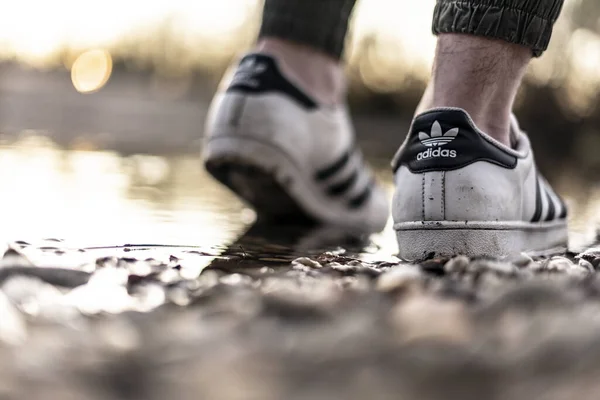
column 435, row 141
column 248, row 72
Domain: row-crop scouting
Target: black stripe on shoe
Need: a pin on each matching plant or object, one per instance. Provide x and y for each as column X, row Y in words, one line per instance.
column 564, row 213
column 340, row 188
column 551, row 209
column 362, row 198
column 537, row 216
column 337, row 166
column 260, row 73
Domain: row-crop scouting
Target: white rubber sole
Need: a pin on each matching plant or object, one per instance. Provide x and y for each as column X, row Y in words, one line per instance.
column 295, row 185
column 421, row 240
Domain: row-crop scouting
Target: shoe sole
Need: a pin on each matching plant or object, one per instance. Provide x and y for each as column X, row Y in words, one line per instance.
column 423, row 240
column 268, row 179
column 259, row 188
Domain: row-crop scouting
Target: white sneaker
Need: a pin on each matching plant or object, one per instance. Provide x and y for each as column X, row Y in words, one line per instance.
column 459, row 191
column 286, row 155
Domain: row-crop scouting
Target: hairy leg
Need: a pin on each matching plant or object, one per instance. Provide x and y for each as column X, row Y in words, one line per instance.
column 307, row 37
column 481, row 76
column 482, row 54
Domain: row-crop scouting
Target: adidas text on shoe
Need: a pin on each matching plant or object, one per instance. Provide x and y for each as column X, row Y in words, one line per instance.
column 290, row 158
column 459, row 191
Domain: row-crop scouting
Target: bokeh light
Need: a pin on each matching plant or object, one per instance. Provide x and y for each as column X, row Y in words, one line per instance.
column 91, row 70
column 391, row 45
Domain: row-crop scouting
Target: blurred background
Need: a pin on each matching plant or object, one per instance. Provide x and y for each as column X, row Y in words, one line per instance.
column 102, row 107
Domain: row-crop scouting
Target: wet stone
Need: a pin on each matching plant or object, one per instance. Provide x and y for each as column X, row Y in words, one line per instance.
column 497, row 267
column 590, row 254
column 107, row 261
column 559, row 265
column 522, row 260
column 354, row 330
column 434, row 267
column 368, row 271
column 586, row 265
column 400, row 278
column 457, row 265
column 304, row 264
column 236, row 280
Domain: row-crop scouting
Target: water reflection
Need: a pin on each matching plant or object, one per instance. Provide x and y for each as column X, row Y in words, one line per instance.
column 99, row 199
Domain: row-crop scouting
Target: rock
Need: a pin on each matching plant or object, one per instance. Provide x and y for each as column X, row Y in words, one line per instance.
column 586, row 265
column 63, row 277
column 399, row 278
column 434, row 267
column 559, row 264
column 522, row 260
column 590, row 254
column 457, row 265
column 360, row 284
column 12, row 324
column 345, row 269
column 179, row 296
column 305, row 264
column 148, row 297
column 13, row 257
column 236, row 280
column 498, row 267
column 38, row 299
column 429, row 318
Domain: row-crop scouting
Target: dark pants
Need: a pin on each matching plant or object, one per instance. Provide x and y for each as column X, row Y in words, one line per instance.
column 323, row 23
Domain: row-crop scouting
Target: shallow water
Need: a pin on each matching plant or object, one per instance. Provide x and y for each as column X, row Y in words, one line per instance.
column 102, row 200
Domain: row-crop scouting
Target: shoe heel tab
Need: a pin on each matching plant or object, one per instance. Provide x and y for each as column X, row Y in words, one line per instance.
column 251, row 59
column 260, row 73
column 451, row 116
column 445, row 139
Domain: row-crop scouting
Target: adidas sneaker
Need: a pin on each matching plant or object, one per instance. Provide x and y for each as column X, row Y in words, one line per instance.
column 287, row 156
column 459, row 191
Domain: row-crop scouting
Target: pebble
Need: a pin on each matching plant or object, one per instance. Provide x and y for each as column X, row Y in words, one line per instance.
column 522, row 260
column 590, row 254
column 586, row 265
column 457, row 265
column 399, row 278
column 305, row 264
column 13, row 330
column 498, row 267
column 342, row 268
column 424, row 317
column 559, row 264
column 236, row 280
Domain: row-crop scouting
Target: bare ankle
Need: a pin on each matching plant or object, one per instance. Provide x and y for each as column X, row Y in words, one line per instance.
column 479, row 75
column 317, row 73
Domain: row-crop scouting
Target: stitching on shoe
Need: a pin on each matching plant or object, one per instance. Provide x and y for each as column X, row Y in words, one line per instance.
column 423, row 196
column 444, row 195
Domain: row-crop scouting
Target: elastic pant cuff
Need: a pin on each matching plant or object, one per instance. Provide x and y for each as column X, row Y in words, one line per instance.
column 321, row 24
column 525, row 22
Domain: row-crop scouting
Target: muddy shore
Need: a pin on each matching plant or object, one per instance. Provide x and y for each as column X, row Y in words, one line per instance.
column 325, row 327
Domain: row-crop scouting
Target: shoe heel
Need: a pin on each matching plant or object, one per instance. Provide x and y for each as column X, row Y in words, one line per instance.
column 252, row 171
column 419, row 240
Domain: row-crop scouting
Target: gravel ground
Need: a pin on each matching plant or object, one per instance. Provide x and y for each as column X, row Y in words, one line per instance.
column 326, row 327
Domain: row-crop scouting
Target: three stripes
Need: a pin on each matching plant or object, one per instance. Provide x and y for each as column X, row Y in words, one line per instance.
column 548, row 205
column 340, row 188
